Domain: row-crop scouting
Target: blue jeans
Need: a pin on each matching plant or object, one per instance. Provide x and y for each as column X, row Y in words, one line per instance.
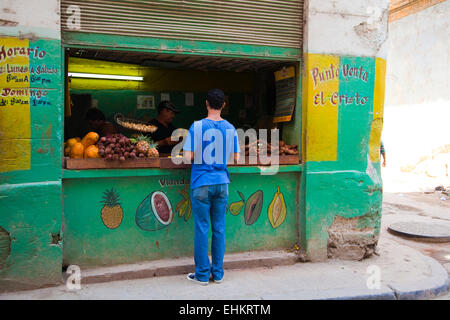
column 209, row 203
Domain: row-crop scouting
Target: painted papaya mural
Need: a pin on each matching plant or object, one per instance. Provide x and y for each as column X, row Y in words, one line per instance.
column 184, row 207
column 277, row 210
column 154, row 212
column 112, row 212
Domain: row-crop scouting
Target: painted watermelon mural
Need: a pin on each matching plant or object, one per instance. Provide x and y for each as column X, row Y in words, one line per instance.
column 154, row 212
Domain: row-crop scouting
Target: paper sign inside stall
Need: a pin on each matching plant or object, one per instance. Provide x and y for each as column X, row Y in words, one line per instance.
column 285, row 87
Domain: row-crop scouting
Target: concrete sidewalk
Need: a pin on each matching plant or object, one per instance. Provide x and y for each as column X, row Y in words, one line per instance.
column 404, row 273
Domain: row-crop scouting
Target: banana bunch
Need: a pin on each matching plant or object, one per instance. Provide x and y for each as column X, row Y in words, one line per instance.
column 184, row 207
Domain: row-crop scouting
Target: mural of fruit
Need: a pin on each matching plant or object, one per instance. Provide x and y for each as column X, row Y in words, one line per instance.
column 236, row 207
column 277, row 210
column 184, row 207
column 154, row 212
column 5, row 246
column 253, row 207
column 112, row 212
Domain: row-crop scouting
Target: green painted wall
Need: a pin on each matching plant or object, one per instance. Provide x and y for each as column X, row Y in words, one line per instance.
column 341, row 141
column 89, row 242
column 30, row 164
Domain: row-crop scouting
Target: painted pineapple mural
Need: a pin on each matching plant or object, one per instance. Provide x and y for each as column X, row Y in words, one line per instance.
column 112, row 212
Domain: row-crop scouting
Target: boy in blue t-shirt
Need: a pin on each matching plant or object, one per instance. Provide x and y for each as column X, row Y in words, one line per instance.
column 210, row 143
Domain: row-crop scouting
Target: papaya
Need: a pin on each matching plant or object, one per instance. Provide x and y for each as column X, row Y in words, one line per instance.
column 277, row 210
column 66, row 151
column 89, row 139
column 91, row 152
column 70, row 142
column 77, row 151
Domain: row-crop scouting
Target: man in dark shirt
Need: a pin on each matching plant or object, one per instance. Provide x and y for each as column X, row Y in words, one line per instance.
column 164, row 119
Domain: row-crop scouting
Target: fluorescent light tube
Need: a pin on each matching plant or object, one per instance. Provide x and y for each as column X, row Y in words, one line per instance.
column 104, row 76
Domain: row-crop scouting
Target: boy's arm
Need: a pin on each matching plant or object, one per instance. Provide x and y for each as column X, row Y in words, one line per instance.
column 188, row 156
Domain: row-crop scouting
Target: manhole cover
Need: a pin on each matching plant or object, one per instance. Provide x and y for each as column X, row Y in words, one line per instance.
column 427, row 231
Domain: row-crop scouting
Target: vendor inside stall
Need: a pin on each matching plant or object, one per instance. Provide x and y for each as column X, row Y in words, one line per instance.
column 165, row 127
column 96, row 122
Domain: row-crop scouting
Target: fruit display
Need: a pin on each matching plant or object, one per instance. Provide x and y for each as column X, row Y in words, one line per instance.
column 119, row 147
column 77, row 148
column 146, row 146
column 134, row 125
column 254, row 148
column 89, row 139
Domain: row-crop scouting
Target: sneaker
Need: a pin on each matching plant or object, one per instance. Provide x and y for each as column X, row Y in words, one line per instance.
column 191, row 277
column 215, row 281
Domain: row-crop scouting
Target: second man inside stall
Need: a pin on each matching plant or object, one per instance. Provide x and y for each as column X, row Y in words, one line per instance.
column 164, row 123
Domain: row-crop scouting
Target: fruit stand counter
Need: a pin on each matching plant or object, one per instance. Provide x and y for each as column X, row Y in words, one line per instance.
column 114, row 216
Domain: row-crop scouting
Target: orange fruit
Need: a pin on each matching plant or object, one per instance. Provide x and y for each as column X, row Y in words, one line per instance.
column 91, row 152
column 77, row 151
column 70, row 142
column 89, row 139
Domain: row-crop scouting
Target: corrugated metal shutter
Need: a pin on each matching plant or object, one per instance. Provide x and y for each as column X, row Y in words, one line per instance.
column 257, row 22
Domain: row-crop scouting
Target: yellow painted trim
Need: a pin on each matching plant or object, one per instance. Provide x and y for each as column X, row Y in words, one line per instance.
column 321, row 115
column 378, row 110
column 15, row 126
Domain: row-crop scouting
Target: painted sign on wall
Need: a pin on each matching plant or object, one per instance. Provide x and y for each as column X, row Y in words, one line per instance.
column 27, row 76
column 341, row 107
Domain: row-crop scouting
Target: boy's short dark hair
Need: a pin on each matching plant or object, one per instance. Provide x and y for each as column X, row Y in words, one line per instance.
column 95, row 114
column 215, row 98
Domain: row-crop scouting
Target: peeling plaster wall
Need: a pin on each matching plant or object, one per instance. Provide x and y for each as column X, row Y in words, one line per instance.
column 30, row 144
column 418, row 90
column 341, row 138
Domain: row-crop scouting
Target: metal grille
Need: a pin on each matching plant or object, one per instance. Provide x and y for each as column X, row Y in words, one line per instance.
column 258, row 22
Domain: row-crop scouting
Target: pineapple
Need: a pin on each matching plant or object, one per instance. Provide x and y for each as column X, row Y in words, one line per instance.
column 146, row 146
column 153, row 152
column 143, row 144
column 112, row 212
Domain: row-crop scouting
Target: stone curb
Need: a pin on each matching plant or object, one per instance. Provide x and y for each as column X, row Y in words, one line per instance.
column 173, row 267
column 438, row 284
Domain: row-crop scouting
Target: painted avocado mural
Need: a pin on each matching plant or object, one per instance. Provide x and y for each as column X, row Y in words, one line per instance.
column 253, row 207
column 154, row 212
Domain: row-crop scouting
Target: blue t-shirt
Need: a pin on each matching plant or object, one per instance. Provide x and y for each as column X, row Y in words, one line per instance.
column 213, row 143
